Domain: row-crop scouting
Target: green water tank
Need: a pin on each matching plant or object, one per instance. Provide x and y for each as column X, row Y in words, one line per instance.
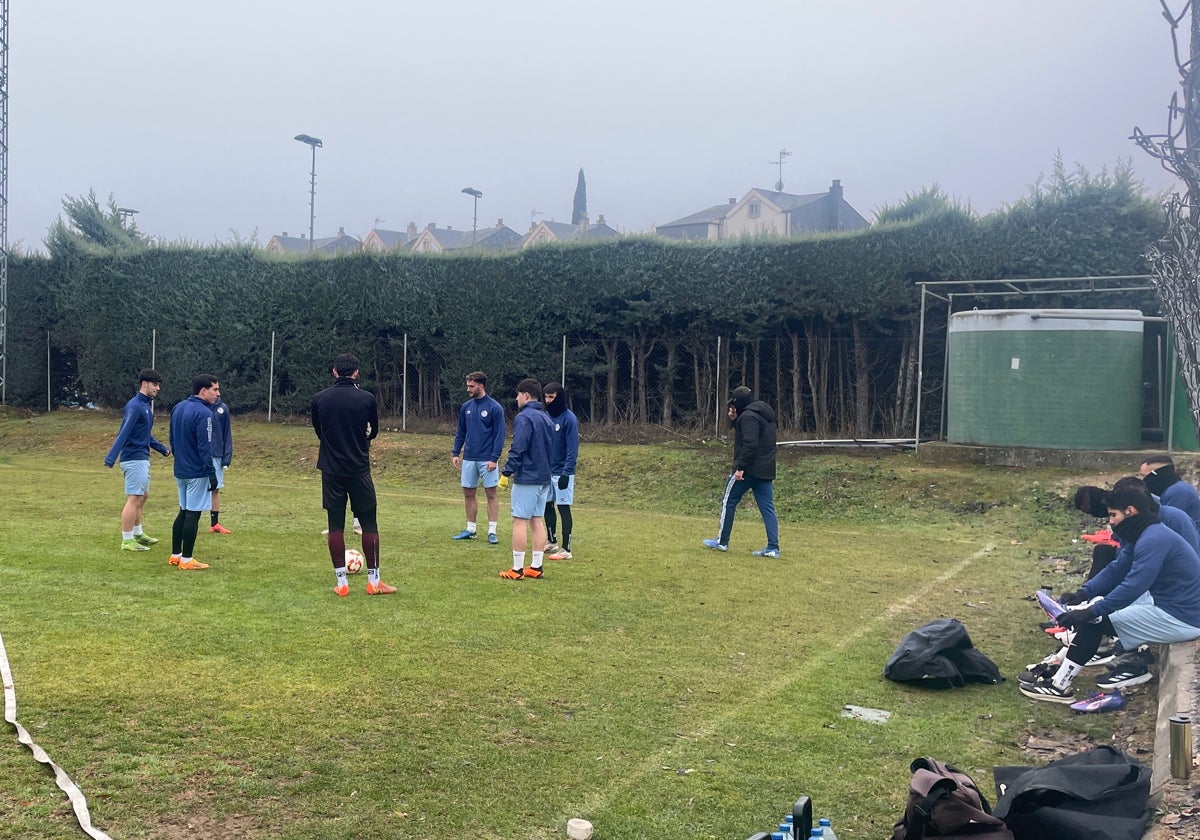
column 1045, row 378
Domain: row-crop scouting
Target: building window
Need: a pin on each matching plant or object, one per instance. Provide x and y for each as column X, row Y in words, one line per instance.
column 755, row 209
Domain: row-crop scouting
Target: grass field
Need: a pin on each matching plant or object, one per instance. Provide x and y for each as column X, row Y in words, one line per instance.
column 650, row 686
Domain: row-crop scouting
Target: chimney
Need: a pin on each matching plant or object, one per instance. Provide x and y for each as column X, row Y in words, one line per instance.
column 411, row 232
column 431, row 226
column 302, row 236
column 449, row 227
column 600, row 219
column 835, row 205
column 499, row 223
column 284, row 234
column 733, row 201
column 341, row 231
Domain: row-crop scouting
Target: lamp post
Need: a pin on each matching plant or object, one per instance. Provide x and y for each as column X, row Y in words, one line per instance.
column 475, row 194
column 316, row 143
column 126, row 214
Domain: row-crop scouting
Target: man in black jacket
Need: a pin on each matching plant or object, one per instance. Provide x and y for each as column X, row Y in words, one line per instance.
column 346, row 420
column 753, row 469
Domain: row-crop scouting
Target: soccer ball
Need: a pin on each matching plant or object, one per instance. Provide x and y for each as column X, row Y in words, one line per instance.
column 354, row 561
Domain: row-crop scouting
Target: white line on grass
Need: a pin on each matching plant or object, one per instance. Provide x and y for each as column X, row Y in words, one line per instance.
column 74, row 794
column 653, row 764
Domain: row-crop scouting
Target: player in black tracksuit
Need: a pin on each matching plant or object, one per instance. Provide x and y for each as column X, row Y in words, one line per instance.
column 346, row 420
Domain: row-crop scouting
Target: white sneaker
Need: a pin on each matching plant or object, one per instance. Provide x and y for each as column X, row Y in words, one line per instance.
column 551, row 547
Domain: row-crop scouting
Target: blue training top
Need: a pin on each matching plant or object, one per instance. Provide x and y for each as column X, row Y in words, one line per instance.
column 191, row 439
column 564, row 449
column 134, row 438
column 1161, row 563
column 481, row 430
column 1185, row 497
column 529, row 455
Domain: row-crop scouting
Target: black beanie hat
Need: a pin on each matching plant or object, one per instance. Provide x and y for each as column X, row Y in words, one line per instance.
column 742, row 397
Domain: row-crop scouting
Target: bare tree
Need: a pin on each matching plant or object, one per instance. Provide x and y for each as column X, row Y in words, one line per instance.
column 1175, row 260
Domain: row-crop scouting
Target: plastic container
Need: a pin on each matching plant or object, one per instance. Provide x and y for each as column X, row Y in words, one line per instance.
column 826, row 829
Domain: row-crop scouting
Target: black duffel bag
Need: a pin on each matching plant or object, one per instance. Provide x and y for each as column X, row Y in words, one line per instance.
column 1100, row 794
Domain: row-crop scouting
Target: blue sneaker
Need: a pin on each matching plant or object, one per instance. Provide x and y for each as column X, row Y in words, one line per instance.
column 464, row 535
column 493, row 539
column 766, row 552
column 715, row 546
column 1100, row 702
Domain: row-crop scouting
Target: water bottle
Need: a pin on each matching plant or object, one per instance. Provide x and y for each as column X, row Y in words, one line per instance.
column 785, row 829
column 790, row 822
column 826, row 829
column 778, row 835
column 816, row 833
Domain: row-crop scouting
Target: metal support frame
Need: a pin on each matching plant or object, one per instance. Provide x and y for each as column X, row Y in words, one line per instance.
column 1019, row 287
column 3, row 201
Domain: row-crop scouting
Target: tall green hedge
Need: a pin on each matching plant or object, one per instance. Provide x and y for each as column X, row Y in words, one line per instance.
column 850, row 298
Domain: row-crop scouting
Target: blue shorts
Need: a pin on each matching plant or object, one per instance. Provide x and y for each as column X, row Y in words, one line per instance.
column 529, row 500
column 220, row 472
column 194, row 493
column 1143, row 623
column 137, row 477
column 563, row 497
column 475, row 471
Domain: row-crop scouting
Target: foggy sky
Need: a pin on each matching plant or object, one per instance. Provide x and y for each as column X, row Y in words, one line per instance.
column 186, row 112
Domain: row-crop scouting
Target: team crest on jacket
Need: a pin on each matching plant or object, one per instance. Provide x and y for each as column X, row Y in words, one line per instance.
column 558, row 427
column 483, row 413
column 221, row 410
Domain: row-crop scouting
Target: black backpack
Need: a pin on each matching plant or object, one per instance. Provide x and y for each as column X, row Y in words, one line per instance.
column 940, row 655
column 943, row 801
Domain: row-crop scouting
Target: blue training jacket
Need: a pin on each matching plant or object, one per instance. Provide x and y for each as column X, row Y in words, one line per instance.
column 1161, row 563
column 529, row 453
column 1185, row 497
column 564, row 449
column 191, row 439
column 481, row 430
column 222, row 440
column 134, row 439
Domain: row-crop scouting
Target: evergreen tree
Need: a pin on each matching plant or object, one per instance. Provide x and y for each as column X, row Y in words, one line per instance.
column 90, row 228
column 579, row 207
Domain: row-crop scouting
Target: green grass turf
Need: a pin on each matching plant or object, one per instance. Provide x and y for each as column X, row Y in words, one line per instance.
column 648, row 685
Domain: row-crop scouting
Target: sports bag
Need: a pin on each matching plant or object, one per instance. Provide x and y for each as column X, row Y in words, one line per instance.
column 940, row 655
column 1100, row 794
column 943, row 801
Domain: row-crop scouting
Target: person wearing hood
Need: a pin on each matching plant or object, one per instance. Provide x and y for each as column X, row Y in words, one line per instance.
column 754, row 443
column 1161, row 479
column 1149, row 594
column 564, row 451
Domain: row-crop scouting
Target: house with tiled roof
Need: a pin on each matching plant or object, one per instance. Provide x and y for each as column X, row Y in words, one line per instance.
column 763, row 212
column 544, row 233
column 284, row 244
column 379, row 239
column 436, row 240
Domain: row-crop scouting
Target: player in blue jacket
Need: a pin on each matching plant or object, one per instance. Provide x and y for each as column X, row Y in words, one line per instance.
column 191, row 441
column 1158, row 472
column 132, row 446
column 528, row 471
column 1149, row 594
column 564, row 451
column 222, row 449
column 478, row 443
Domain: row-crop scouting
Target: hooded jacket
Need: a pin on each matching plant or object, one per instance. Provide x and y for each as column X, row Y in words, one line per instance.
column 754, row 441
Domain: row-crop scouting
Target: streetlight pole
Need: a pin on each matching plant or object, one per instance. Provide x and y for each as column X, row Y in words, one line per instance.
column 476, row 194
column 316, row 143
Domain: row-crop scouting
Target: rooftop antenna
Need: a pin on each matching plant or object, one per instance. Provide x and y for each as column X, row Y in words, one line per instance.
column 533, row 214
column 783, row 153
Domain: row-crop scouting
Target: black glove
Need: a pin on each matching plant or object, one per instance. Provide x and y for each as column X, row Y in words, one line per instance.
column 563, row 481
column 1071, row 618
column 212, row 484
column 1069, row 599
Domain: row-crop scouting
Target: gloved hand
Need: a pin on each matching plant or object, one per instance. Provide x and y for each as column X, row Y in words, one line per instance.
column 563, row 481
column 1071, row 618
column 212, row 484
column 1069, row 599
column 505, row 482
